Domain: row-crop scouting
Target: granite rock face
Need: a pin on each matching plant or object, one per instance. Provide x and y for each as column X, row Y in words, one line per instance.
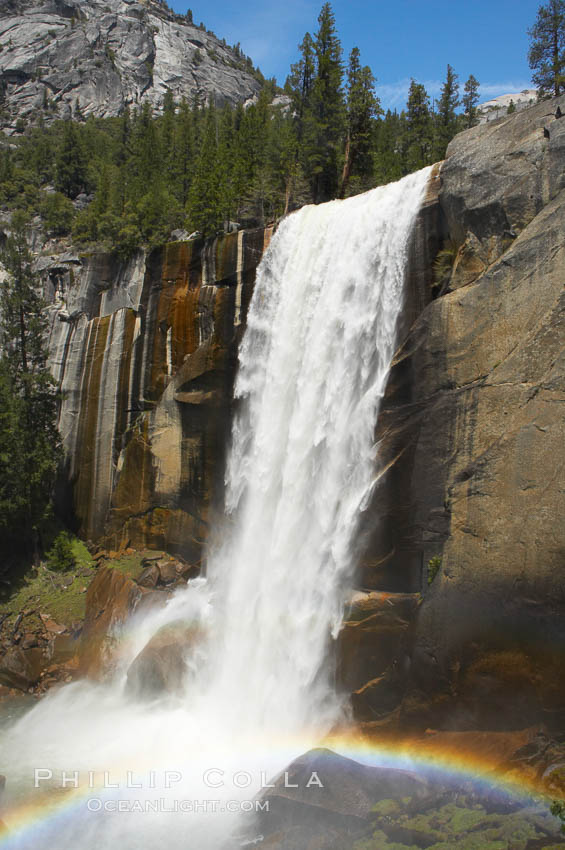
column 145, row 353
column 104, row 55
column 472, row 432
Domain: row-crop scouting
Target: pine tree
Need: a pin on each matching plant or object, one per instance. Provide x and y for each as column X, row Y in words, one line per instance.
column 300, row 84
column 446, row 118
column 167, row 134
column 389, row 156
column 469, row 100
column 283, row 161
column 418, row 127
column 70, row 165
column 183, row 153
column 204, row 203
column 323, row 150
column 28, row 435
column 362, row 107
column 547, row 49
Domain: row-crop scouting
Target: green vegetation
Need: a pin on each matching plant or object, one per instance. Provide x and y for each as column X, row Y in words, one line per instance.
column 462, row 825
column 61, row 556
column 470, row 100
column 131, row 565
column 434, row 565
column 443, row 265
column 59, row 594
column 29, row 441
column 547, row 49
column 558, row 811
column 197, row 165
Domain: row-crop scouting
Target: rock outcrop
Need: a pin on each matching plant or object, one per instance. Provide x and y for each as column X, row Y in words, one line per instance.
column 145, row 352
column 472, row 436
column 58, row 57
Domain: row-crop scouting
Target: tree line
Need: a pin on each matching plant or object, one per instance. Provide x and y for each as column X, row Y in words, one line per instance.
column 198, row 165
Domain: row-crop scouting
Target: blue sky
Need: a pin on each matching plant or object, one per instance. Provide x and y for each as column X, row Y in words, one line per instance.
column 399, row 39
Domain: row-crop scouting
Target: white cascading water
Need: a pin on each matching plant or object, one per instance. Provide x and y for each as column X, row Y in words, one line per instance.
column 313, row 367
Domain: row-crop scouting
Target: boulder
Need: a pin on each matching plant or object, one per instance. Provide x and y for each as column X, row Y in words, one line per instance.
column 149, row 577
column 344, row 802
column 150, row 600
column 21, row 668
column 110, row 599
column 64, row 648
column 167, row 572
column 487, row 206
column 161, row 666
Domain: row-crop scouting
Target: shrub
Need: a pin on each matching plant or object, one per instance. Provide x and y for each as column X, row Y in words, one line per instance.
column 443, row 265
column 61, row 556
column 434, row 565
column 558, row 811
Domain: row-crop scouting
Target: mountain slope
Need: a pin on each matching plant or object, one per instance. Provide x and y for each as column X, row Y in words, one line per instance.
column 105, row 54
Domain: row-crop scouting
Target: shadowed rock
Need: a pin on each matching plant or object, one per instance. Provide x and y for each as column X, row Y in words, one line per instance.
column 345, row 801
column 21, row 668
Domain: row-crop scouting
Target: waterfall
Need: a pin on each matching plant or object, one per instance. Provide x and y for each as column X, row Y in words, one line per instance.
column 313, row 367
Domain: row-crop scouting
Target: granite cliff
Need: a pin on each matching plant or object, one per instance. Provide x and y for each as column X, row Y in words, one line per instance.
column 458, row 617
column 469, row 509
column 103, row 55
column 145, row 353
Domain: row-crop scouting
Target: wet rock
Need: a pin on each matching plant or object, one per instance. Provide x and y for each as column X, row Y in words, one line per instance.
column 373, row 648
column 377, row 697
column 149, row 577
column 51, row 626
column 64, row 648
column 29, row 641
column 161, row 665
column 21, row 668
column 167, row 572
column 111, row 598
column 346, row 800
column 131, row 459
column 468, row 434
column 151, row 600
column 186, row 572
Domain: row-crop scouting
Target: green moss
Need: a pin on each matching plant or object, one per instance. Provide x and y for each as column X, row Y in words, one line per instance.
column 129, row 565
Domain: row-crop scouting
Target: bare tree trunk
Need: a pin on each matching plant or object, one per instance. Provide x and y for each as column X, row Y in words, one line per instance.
column 346, row 169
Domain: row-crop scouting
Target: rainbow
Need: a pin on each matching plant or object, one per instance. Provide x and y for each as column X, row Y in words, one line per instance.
column 457, row 757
